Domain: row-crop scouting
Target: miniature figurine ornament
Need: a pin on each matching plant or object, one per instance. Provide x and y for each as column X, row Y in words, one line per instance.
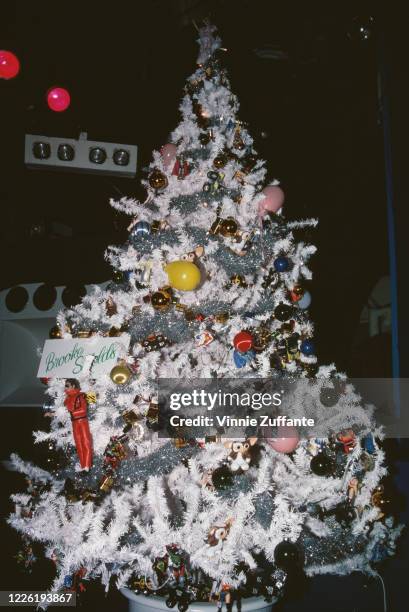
column 240, row 454
column 76, row 403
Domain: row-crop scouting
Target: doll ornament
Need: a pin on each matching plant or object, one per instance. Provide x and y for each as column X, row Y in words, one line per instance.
column 218, row 533
column 240, row 455
column 76, row 403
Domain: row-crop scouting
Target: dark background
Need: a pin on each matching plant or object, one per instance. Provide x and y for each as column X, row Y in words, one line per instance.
column 315, row 117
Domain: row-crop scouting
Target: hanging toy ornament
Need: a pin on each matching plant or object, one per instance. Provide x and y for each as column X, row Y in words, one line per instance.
column 283, row 312
column 181, row 168
column 9, row 65
column 155, row 342
column 286, row 441
column 202, row 115
column 380, row 500
column 58, row 99
column 168, row 153
column 321, row 465
column 292, row 347
column 110, row 307
column 238, row 280
column 243, row 341
column 281, row 264
column 157, row 180
column 347, row 439
column 203, row 338
column 120, row 374
column 214, row 182
column 368, row 444
column 248, row 163
column 262, row 338
column 307, row 347
column 76, row 403
column 161, row 300
column 296, row 293
column 183, row 275
column 141, row 228
column 272, row 202
column 243, row 359
column 238, row 142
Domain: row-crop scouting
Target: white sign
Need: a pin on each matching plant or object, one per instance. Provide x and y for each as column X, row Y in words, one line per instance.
column 75, row 357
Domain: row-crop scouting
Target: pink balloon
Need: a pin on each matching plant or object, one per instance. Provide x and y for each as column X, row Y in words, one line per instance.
column 272, row 201
column 58, row 99
column 286, row 441
column 168, row 152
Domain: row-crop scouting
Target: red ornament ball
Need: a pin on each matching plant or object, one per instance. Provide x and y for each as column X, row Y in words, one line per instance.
column 58, row 99
column 9, row 65
column 243, row 341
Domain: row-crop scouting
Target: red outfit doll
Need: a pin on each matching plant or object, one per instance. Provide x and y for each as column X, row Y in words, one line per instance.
column 76, row 403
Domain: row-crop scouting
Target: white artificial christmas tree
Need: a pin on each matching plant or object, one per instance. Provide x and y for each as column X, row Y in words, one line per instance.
column 211, row 283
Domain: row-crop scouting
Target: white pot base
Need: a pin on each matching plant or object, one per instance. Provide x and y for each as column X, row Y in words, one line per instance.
column 141, row 603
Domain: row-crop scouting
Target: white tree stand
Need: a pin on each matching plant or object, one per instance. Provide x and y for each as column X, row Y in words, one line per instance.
column 141, row 603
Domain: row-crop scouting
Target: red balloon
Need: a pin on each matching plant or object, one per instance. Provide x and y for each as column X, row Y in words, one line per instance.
column 243, row 341
column 9, row 65
column 58, row 99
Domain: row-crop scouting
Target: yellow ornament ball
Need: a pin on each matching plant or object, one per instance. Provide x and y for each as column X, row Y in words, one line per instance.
column 120, row 374
column 183, row 275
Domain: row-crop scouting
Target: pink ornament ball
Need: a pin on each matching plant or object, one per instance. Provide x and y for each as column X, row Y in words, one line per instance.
column 286, row 441
column 272, row 201
column 168, row 152
column 58, row 99
column 9, row 65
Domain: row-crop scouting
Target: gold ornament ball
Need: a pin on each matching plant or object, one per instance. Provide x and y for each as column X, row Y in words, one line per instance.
column 222, row 317
column 83, row 333
column 161, row 300
column 220, row 161
column 120, row 374
column 229, row 227
column 157, row 180
column 380, row 499
column 55, row 333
